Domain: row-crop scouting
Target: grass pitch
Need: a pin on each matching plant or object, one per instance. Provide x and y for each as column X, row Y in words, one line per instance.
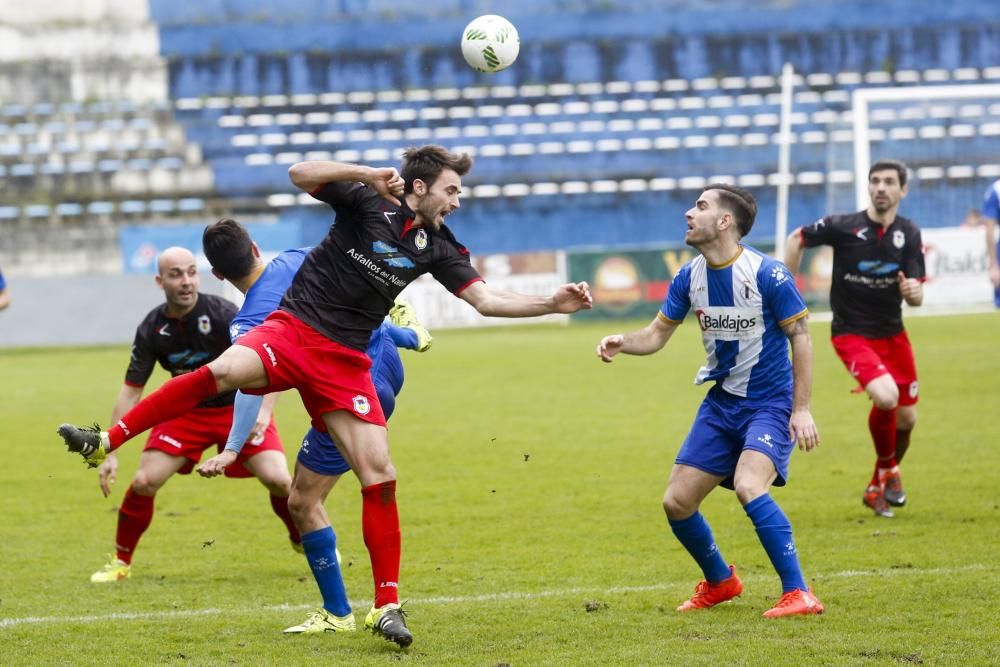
column 530, row 478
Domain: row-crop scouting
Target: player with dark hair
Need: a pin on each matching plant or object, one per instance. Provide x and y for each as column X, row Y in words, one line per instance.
column 236, row 258
column 316, row 341
column 878, row 262
column 183, row 334
column 748, row 309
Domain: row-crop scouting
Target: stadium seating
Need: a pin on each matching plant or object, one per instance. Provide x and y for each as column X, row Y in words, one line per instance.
column 613, row 117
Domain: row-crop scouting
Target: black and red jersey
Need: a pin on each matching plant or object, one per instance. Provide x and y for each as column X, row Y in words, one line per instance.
column 867, row 259
column 182, row 345
column 347, row 284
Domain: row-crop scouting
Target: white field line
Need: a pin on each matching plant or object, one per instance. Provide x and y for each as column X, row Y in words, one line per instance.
column 467, row 599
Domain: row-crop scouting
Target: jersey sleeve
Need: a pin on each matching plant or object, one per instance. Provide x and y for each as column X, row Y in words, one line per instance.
column 781, row 295
column 991, row 203
column 3, row 283
column 818, row 233
column 343, row 196
column 913, row 263
column 239, row 326
column 143, row 360
column 454, row 270
column 678, row 302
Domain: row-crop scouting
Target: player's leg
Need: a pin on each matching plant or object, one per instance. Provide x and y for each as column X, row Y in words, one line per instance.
column 236, row 368
column 899, row 359
column 136, row 511
column 766, row 452
column 882, row 420
column 861, row 358
column 366, row 448
column 906, row 420
column 706, row 458
column 309, row 491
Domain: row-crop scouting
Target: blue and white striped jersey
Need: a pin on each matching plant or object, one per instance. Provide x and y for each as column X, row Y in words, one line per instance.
column 740, row 308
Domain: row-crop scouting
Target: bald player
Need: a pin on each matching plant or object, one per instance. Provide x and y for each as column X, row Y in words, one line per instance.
column 183, row 334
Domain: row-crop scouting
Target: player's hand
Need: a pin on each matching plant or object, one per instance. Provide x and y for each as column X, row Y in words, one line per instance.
column 803, row 429
column 995, row 275
column 217, row 464
column 610, row 346
column 388, row 183
column 572, row 297
column 910, row 288
column 106, row 473
column 259, row 429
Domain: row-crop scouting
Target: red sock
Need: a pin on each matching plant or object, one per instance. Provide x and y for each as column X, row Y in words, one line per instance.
column 174, row 398
column 902, row 444
column 882, row 424
column 380, row 527
column 134, row 517
column 280, row 506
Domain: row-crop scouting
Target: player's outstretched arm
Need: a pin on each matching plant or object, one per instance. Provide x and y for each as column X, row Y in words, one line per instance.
column 801, row 425
column 568, row 298
column 793, row 250
column 4, row 298
column 313, row 174
column 647, row 340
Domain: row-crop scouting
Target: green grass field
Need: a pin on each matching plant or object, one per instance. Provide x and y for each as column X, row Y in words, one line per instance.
column 530, row 478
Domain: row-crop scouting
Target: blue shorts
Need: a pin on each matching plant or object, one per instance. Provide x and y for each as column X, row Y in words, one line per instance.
column 725, row 426
column 318, row 452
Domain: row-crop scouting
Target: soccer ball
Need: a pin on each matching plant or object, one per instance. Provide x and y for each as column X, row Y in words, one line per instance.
column 490, row 43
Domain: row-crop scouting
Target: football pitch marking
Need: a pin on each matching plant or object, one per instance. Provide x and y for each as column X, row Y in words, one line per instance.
column 467, row 599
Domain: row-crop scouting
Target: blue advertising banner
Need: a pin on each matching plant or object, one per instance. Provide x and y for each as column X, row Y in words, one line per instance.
column 141, row 244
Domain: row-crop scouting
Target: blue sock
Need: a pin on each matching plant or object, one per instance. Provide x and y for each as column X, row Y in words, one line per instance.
column 696, row 536
column 775, row 532
column 402, row 336
column 320, row 546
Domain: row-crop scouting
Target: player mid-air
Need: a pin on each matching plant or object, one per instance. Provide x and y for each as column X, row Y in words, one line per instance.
column 236, row 258
column 389, row 230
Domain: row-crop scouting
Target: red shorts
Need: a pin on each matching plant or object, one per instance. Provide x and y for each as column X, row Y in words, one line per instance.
column 328, row 375
column 869, row 358
column 191, row 434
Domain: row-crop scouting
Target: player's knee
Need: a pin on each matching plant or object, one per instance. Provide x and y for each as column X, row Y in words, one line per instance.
column 144, row 484
column 906, row 419
column 278, row 485
column 300, row 505
column 677, row 507
column 885, row 396
column 375, row 467
column 747, row 489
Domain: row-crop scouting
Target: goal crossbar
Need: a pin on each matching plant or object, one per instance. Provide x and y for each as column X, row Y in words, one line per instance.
column 862, row 97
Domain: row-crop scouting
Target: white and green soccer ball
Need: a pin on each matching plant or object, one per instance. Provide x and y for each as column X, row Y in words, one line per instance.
column 490, row 43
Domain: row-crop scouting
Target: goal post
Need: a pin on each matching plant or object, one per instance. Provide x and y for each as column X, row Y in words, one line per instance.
column 864, row 99
column 949, row 137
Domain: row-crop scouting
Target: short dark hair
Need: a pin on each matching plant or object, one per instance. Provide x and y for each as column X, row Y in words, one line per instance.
column 427, row 163
column 882, row 165
column 737, row 201
column 228, row 248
